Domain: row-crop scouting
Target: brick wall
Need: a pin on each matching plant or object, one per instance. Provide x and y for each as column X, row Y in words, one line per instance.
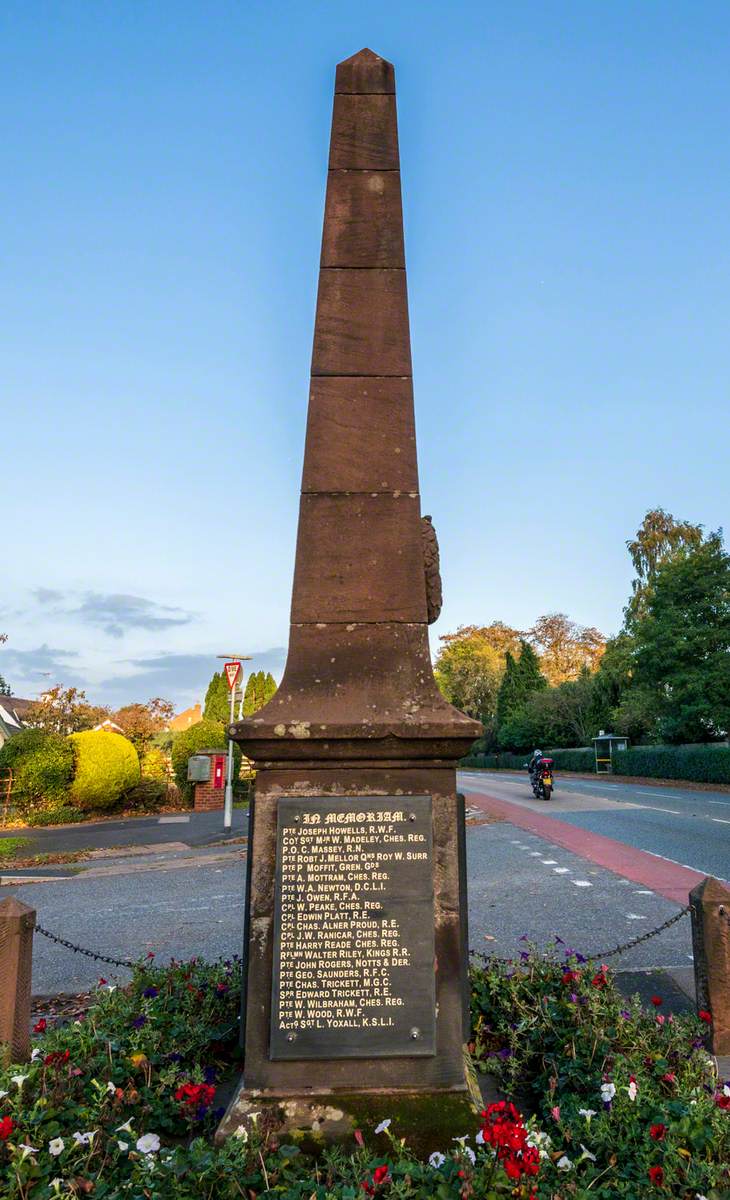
column 208, row 798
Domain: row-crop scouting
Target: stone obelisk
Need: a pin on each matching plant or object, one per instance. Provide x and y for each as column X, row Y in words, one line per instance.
column 358, row 715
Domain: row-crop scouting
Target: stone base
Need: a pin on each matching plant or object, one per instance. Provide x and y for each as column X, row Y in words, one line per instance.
column 427, row 1120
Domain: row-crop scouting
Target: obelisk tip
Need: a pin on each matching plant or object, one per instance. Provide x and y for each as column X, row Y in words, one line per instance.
column 365, row 73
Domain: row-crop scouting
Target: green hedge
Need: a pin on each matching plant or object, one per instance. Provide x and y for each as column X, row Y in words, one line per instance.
column 107, row 765
column 42, row 765
column 701, row 764
column 565, row 760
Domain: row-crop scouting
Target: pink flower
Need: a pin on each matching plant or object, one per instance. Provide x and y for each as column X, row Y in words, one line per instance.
column 555, row 1113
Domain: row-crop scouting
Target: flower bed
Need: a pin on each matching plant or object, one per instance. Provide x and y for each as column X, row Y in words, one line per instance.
column 124, row 1102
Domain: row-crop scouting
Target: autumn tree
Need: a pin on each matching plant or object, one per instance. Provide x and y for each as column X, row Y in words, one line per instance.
column 64, row 710
column 565, row 647
column 141, row 722
column 470, row 665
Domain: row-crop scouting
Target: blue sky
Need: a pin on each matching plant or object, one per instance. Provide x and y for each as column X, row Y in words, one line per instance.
column 567, row 209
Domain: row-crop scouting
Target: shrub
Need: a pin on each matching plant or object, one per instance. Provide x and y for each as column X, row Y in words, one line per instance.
column 702, row 764
column 565, row 760
column 107, row 765
column 148, row 795
column 205, row 735
column 155, row 764
column 56, row 814
column 574, row 760
column 42, row 765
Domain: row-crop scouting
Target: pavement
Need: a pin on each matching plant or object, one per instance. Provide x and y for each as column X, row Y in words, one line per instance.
column 198, row 828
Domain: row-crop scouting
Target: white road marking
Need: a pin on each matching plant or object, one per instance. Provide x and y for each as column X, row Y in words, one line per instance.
column 581, row 883
column 173, row 820
column 535, row 853
column 623, row 881
column 655, row 808
column 643, row 892
column 561, row 870
column 548, row 862
column 635, row 917
column 720, row 821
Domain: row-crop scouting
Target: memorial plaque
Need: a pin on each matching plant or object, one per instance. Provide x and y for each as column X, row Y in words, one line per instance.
column 353, row 929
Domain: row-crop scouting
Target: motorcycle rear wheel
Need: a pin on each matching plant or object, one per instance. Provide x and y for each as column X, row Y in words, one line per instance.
column 546, row 792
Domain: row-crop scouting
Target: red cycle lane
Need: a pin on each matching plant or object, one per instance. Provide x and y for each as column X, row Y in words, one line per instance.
column 666, row 878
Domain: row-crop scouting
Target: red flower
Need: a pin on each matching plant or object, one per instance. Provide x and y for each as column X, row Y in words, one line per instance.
column 359, row 1138
column 380, row 1177
column 102, row 981
column 571, row 976
column 6, row 1128
column 599, row 980
column 656, row 1176
column 705, row 1016
column 657, row 1132
column 656, row 1001
column 722, row 1101
column 40, row 1026
column 670, row 1077
column 150, row 955
column 192, row 1096
column 57, row 1058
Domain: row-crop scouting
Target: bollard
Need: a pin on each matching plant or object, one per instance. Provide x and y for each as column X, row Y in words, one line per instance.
column 710, row 909
column 17, row 923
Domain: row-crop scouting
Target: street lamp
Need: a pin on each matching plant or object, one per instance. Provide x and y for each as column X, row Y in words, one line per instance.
column 228, row 802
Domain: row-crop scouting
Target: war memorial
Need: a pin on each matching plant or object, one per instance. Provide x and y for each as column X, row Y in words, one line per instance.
column 356, row 927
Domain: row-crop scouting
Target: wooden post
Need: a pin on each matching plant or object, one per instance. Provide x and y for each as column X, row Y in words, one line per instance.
column 710, row 902
column 17, row 922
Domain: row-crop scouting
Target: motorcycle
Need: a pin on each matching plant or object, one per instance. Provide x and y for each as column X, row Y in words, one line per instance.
column 541, row 779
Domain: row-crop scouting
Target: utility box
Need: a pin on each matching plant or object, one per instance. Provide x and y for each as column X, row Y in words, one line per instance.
column 605, row 746
column 207, row 770
column 199, row 768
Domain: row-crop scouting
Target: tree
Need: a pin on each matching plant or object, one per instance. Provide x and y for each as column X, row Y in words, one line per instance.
column 522, row 678
column 217, row 706
column 4, row 689
column 64, row 710
column 260, row 688
column 682, row 652
column 142, row 722
column 470, row 665
column 658, row 537
column 566, row 647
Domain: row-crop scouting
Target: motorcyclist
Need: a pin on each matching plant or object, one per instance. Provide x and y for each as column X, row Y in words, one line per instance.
column 532, row 764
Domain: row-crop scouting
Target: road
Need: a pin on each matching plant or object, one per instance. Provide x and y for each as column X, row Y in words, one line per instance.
column 184, row 902
column 680, row 825
column 195, row 828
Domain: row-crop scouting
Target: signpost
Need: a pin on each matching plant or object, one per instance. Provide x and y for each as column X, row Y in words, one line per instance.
column 233, row 670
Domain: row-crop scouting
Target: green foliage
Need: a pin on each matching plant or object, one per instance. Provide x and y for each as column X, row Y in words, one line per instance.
column 102, row 1105
column 260, row 688
column 558, row 1030
column 682, row 650
column 58, row 813
column 4, row 689
column 217, row 705
column 155, row 764
column 702, row 764
column 521, row 683
column 42, row 765
column 107, row 765
column 9, row 847
column 657, row 539
column 470, row 666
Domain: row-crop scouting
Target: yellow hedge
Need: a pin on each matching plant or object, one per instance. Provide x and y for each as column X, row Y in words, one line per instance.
column 107, row 765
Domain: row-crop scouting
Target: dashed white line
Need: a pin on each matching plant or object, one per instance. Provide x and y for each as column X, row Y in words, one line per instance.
column 643, row 892
column 581, row 883
column 561, row 870
column 535, row 853
column 635, row 917
column 720, row 821
column 548, row 862
column 655, row 808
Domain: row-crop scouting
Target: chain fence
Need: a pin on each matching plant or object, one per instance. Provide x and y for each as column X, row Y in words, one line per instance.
column 621, row 948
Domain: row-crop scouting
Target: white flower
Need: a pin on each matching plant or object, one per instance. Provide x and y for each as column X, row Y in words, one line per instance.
column 587, row 1153
column 241, row 1132
column 18, row 1079
column 111, row 987
column 123, row 1146
column 470, row 1154
column 461, row 1140
column 632, row 1089
column 726, row 1089
column 125, row 1128
column 564, row 1164
column 437, row 1159
column 254, row 1116
column 587, row 1113
column 479, row 1139
column 608, row 1091
column 149, row 1143
column 56, row 1146
column 3, row 1095
column 381, row 1128
column 111, row 1088
column 699, row 1197
column 35, row 1054
column 84, row 1139
column 26, row 1149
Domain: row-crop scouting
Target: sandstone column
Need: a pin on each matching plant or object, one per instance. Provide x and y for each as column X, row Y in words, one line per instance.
column 358, row 713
